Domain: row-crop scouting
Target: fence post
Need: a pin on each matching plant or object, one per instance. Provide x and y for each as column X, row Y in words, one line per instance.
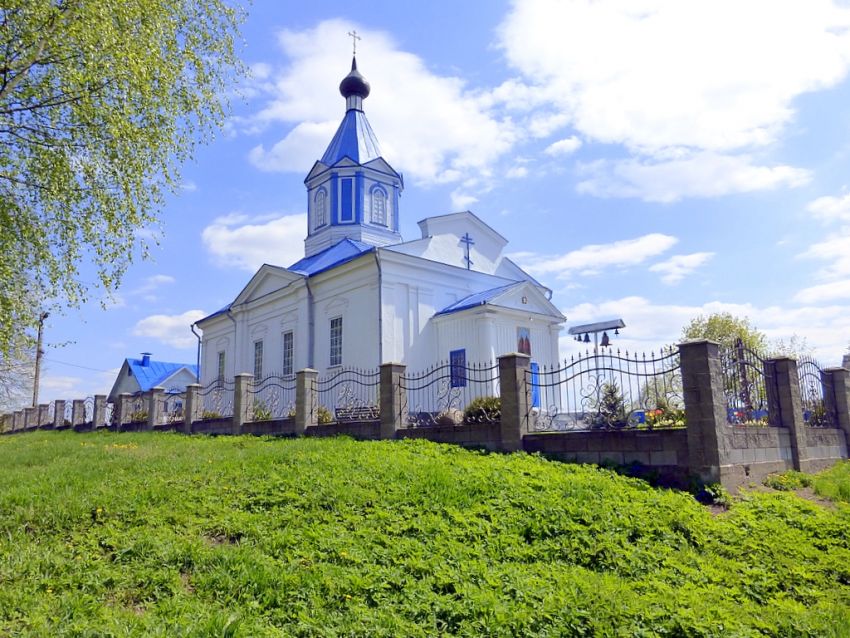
column 306, row 412
column 43, row 414
column 516, row 399
column 98, row 413
column 705, row 409
column 18, row 423
column 78, row 412
column 154, row 407
column 29, row 417
column 58, row 413
column 123, row 410
column 243, row 409
column 837, row 398
column 781, row 373
column 393, row 399
column 190, row 407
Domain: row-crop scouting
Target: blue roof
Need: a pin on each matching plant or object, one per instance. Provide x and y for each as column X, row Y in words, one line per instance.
column 354, row 138
column 156, row 372
column 341, row 252
column 477, row 299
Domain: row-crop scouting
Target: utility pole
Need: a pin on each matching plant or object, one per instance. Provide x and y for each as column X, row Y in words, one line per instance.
column 38, row 353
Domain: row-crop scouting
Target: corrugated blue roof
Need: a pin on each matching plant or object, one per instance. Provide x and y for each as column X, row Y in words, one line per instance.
column 341, row 252
column 354, row 138
column 476, row 299
column 156, row 371
column 217, row 312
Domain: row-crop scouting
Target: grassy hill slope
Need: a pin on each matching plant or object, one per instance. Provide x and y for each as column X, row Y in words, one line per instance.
column 161, row 534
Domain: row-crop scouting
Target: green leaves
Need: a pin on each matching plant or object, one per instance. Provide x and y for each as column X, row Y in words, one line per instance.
column 100, row 103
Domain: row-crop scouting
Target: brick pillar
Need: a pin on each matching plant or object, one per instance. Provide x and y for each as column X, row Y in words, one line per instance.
column 43, row 414
column 781, row 373
column 18, row 420
column 306, row 401
column 190, row 407
column 30, row 415
column 516, row 399
column 243, row 408
column 837, row 398
column 98, row 418
column 154, row 401
column 393, row 399
column 123, row 408
column 78, row 412
column 58, row 413
column 705, row 409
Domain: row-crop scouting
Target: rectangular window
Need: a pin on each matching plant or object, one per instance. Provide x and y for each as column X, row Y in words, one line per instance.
column 336, row 341
column 346, row 213
column 457, row 363
column 288, row 353
column 258, row 359
column 221, row 366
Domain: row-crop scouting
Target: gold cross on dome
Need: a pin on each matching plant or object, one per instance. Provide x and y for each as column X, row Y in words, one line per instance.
column 354, row 39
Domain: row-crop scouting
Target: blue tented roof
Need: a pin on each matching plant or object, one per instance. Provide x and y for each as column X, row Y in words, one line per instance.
column 476, row 299
column 341, row 252
column 354, row 139
column 156, row 371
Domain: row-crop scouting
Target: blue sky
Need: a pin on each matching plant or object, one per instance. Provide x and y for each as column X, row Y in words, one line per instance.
column 647, row 159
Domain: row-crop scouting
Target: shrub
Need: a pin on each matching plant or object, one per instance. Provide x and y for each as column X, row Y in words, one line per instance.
column 208, row 415
column 324, row 415
column 610, row 406
column 261, row 411
column 483, row 409
column 138, row 416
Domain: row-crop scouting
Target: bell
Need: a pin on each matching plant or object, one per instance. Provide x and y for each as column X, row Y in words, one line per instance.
column 586, row 338
column 616, row 331
column 605, row 340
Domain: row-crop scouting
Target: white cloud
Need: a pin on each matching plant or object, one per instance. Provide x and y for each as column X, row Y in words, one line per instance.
column 172, row 330
column 821, row 293
column 692, row 77
column 240, row 241
column 516, row 172
column 593, row 258
column 678, row 267
column 462, row 200
column 153, row 283
column 430, row 125
column 564, row 147
column 697, row 175
column 836, row 249
column 831, row 208
column 663, row 73
column 650, row 325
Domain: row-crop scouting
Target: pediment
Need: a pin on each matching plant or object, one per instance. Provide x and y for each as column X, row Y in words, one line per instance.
column 380, row 165
column 266, row 280
column 526, row 297
column 318, row 169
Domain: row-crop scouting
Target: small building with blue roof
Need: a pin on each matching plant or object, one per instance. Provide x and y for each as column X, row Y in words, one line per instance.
column 361, row 295
column 140, row 375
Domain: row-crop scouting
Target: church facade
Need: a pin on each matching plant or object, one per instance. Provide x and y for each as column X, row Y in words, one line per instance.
column 361, row 296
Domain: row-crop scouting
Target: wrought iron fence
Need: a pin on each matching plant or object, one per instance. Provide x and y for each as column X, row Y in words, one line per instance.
column 348, row 394
column 450, row 394
column 109, row 414
column 51, row 411
column 171, row 406
column 817, row 412
column 216, row 400
column 608, row 391
column 69, row 413
column 137, row 411
column 88, row 410
column 744, row 385
column 272, row 397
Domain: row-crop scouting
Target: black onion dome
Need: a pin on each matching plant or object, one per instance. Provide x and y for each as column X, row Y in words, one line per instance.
column 354, row 83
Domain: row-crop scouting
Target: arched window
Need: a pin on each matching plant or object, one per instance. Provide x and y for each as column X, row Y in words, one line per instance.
column 320, row 216
column 379, row 207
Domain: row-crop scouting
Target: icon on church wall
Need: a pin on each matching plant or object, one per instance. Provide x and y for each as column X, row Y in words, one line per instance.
column 523, row 340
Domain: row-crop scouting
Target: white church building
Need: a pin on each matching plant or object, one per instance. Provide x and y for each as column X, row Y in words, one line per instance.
column 361, row 296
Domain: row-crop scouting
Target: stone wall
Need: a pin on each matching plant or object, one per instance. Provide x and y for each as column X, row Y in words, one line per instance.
column 476, row 435
column 825, row 447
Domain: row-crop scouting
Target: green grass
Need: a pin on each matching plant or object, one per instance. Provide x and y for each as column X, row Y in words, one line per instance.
column 833, row 484
column 165, row 535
